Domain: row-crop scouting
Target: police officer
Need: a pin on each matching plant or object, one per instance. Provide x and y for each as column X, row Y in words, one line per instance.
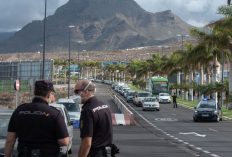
column 174, row 101
column 96, row 128
column 40, row 128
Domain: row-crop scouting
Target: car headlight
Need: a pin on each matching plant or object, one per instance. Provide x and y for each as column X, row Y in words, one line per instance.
column 78, row 116
column 215, row 112
column 196, row 112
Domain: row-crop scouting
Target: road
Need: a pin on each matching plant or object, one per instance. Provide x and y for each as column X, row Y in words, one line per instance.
column 169, row 132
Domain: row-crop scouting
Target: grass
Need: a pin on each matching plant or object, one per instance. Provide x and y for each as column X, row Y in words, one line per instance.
column 134, row 88
column 8, row 86
column 226, row 112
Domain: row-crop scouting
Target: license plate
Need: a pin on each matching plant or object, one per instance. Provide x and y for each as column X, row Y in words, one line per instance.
column 205, row 115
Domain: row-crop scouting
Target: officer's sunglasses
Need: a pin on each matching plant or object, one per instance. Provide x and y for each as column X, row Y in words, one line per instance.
column 78, row 90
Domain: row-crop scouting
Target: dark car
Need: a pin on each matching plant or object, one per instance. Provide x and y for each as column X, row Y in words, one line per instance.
column 207, row 109
column 4, row 122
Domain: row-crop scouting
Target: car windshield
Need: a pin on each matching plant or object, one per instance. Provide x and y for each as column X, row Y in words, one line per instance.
column 4, row 122
column 131, row 94
column 71, row 107
column 164, row 94
column 143, row 95
column 150, row 100
column 206, row 104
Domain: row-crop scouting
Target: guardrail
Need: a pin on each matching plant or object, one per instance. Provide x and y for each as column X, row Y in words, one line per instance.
column 127, row 114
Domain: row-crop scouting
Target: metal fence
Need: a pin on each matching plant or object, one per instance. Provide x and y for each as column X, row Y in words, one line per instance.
column 25, row 71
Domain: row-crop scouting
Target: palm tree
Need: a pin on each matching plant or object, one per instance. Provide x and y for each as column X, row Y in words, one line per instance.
column 96, row 65
column 57, row 63
column 65, row 67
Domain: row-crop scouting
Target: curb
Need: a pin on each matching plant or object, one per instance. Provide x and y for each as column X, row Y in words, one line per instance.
column 192, row 108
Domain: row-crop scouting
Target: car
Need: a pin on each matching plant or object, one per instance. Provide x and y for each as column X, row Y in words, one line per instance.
column 150, row 103
column 130, row 95
column 102, row 81
column 120, row 90
column 139, row 96
column 125, row 93
column 207, row 109
column 74, row 110
column 5, row 116
column 114, row 84
column 97, row 80
column 124, row 89
column 65, row 150
column 91, row 79
column 164, row 98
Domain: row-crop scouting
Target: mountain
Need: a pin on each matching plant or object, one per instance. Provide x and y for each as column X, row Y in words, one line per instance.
column 100, row 25
column 5, row 35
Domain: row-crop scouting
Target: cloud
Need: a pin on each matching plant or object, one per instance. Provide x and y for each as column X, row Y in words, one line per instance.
column 196, row 23
column 200, row 11
column 17, row 13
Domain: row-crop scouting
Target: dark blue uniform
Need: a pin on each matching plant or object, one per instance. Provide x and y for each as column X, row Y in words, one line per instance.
column 96, row 122
column 38, row 126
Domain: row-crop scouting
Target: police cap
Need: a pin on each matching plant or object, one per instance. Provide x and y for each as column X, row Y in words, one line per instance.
column 44, row 85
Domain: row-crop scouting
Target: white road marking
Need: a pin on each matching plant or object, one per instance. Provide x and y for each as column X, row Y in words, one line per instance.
column 193, row 133
column 206, row 152
column 173, row 114
column 213, row 130
column 180, row 140
column 186, row 143
column 161, row 130
column 198, row 148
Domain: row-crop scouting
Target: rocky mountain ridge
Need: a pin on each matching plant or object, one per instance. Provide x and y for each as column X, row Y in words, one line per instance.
column 101, row 25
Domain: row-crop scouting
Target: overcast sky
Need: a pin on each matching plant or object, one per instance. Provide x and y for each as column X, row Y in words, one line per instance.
column 17, row 13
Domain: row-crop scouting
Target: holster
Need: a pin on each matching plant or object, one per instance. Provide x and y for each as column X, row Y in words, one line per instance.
column 30, row 152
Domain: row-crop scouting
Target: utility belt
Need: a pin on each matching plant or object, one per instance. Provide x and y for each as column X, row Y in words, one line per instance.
column 34, row 153
column 102, row 152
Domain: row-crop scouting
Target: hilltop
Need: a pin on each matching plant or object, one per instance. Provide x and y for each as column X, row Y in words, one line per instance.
column 102, row 25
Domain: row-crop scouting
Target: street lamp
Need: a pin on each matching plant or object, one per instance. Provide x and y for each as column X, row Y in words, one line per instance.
column 163, row 47
column 182, row 36
column 40, row 53
column 43, row 76
column 78, row 59
column 69, row 61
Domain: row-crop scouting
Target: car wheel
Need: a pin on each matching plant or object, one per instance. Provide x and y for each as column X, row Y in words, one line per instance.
column 195, row 120
column 158, row 109
column 143, row 109
column 70, row 151
column 220, row 119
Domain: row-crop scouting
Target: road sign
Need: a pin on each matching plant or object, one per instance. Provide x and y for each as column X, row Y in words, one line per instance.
column 16, row 85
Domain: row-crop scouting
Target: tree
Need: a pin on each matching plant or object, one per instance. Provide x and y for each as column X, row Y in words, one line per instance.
column 56, row 64
column 65, row 65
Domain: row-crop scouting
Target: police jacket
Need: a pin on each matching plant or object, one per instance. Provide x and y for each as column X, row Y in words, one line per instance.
column 38, row 126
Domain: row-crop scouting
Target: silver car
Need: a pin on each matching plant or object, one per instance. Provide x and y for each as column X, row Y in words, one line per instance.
column 5, row 116
column 72, row 107
column 150, row 103
column 65, row 150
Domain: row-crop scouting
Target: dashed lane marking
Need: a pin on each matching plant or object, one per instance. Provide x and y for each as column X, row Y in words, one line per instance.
column 213, row 130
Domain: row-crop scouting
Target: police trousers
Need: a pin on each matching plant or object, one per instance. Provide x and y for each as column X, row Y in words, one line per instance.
column 97, row 153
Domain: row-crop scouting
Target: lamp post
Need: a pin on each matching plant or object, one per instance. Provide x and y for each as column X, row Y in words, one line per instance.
column 40, row 53
column 43, row 75
column 69, row 60
column 78, row 60
column 163, row 48
column 182, row 50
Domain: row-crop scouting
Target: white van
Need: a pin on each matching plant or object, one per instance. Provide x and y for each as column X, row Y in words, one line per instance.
column 139, row 96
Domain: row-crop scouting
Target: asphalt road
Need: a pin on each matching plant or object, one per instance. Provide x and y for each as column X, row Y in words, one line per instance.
column 158, row 133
